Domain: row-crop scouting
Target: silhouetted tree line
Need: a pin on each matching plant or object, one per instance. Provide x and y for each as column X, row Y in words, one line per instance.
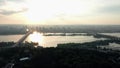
column 105, row 36
column 5, row 44
column 58, row 57
column 89, row 44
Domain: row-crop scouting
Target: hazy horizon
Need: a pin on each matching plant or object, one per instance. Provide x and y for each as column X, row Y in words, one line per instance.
column 64, row 24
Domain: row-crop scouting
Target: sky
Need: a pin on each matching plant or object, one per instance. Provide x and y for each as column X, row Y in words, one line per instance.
column 57, row 12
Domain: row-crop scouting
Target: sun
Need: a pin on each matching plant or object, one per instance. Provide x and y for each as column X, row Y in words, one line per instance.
column 38, row 12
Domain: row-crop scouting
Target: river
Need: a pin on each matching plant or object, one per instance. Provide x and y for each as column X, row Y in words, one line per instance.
column 48, row 41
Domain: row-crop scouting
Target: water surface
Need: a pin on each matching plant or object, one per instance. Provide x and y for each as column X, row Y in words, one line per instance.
column 9, row 38
column 112, row 34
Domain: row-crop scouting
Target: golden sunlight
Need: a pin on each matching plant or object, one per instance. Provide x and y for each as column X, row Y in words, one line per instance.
column 36, row 37
column 40, row 11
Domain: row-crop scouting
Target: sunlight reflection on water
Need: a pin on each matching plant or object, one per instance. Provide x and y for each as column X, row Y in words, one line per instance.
column 36, row 37
column 52, row 41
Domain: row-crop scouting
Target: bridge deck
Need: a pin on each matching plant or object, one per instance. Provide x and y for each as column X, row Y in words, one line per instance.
column 23, row 38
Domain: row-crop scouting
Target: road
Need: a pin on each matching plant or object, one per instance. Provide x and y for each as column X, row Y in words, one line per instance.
column 23, row 38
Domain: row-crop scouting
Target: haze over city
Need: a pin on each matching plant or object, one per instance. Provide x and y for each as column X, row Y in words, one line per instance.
column 65, row 12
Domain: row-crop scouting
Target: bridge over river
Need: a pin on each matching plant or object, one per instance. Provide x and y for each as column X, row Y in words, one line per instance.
column 23, row 38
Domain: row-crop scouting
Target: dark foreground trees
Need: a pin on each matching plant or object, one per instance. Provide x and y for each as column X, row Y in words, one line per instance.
column 58, row 58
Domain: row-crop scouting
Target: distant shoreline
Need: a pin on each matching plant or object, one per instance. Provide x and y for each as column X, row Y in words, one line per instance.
column 10, row 34
column 54, row 33
column 67, row 24
column 21, row 29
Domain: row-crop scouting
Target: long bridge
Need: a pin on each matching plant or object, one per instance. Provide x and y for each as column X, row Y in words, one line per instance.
column 23, row 38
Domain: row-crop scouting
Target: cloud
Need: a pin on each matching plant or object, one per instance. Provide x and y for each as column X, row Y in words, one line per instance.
column 8, row 7
column 17, row 0
column 109, row 9
column 9, row 12
column 2, row 2
column 12, row 0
